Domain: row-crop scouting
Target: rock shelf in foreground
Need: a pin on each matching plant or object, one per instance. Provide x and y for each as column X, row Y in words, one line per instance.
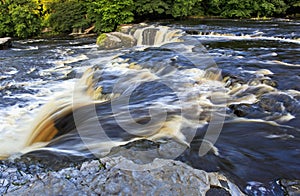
column 105, row 178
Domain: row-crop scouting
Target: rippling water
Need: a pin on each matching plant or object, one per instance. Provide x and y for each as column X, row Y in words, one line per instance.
column 226, row 99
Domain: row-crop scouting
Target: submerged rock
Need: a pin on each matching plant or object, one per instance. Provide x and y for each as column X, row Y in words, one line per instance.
column 5, row 43
column 106, row 178
column 292, row 187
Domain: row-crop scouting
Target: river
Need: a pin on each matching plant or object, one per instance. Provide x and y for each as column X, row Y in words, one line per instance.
column 226, row 97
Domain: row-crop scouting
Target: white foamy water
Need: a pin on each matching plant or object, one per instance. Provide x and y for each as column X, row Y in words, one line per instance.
column 246, row 37
column 16, row 121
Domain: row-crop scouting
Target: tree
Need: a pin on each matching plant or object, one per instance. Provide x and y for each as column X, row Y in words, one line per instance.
column 107, row 14
column 19, row 18
column 183, row 8
column 212, row 7
column 293, row 6
column 5, row 20
column 152, row 8
column 66, row 15
column 237, row 8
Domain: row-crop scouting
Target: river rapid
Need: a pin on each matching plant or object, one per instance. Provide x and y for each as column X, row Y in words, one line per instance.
column 219, row 95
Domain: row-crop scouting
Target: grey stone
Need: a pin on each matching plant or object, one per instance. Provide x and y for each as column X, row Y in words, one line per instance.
column 168, row 177
column 5, row 43
column 3, row 182
column 115, row 40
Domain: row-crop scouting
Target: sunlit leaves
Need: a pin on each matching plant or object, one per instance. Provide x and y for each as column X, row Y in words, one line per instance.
column 26, row 18
column 107, row 14
column 19, row 18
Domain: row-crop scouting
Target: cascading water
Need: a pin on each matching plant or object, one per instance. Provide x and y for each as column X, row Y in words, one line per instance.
column 144, row 103
column 156, row 35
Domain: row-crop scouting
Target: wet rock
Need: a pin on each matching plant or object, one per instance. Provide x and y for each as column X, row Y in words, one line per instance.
column 94, row 177
column 241, row 110
column 115, row 40
column 125, row 28
column 256, row 188
column 5, row 43
column 292, row 187
column 193, row 32
column 213, row 191
column 70, row 75
column 248, row 110
column 277, row 102
column 266, row 81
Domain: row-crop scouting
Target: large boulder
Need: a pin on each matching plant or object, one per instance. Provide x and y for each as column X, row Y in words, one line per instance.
column 5, row 43
column 106, row 178
column 115, row 40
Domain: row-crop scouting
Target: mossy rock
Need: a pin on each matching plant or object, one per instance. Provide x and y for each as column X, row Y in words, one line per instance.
column 115, row 40
column 101, row 39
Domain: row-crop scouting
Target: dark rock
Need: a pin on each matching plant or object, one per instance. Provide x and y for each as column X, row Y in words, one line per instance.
column 193, row 32
column 292, row 187
column 214, row 191
column 278, row 102
column 248, row 110
column 5, row 43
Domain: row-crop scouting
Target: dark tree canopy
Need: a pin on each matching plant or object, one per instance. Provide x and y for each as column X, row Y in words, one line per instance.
column 26, row 18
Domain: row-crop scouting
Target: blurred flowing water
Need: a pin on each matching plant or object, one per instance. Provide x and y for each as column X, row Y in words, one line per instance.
column 233, row 81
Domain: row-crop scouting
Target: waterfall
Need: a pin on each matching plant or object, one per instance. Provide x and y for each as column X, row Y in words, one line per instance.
column 156, row 35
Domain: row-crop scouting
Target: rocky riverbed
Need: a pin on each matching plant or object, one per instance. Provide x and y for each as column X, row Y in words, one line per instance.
column 104, row 177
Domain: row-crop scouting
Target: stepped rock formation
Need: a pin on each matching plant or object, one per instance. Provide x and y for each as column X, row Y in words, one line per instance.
column 140, row 35
column 105, row 178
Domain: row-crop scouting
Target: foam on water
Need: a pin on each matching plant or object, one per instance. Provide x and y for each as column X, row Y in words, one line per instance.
column 246, row 37
column 16, row 120
column 197, row 80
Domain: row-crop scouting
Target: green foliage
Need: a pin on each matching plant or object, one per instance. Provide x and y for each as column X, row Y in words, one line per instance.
column 237, row 9
column 170, row 8
column 67, row 15
column 101, row 38
column 245, row 8
column 182, row 8
column 152, row 8
column 5, row 20
column 19, row 18
column 26, row 18
column 107, row 14
column 212, row 7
